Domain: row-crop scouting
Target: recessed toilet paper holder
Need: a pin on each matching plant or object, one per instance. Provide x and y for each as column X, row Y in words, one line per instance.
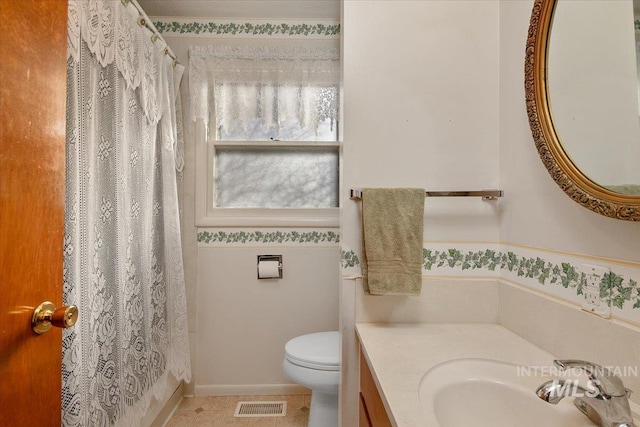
column 269, row 259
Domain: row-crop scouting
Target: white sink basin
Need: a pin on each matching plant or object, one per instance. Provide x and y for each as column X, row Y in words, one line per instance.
column 481, row 392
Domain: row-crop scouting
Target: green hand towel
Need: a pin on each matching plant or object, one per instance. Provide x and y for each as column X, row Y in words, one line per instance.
column 392, row 232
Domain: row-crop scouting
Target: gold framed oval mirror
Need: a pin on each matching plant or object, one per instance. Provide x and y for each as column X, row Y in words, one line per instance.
column 615, row 200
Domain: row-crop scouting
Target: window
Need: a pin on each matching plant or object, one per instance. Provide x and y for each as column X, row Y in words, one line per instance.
column 276, row 177
column 271, row 132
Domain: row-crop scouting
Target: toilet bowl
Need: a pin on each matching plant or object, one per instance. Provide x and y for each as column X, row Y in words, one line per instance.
column 313, row 361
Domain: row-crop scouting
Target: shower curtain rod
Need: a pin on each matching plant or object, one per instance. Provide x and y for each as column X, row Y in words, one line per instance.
column 145, row 21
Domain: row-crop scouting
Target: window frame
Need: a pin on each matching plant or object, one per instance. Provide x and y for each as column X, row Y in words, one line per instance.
column 207, row 215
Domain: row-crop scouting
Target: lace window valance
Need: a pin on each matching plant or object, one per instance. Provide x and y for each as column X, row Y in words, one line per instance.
column 286, row 93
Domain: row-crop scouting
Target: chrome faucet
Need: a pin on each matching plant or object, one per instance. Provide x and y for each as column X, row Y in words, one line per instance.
column 605, row 401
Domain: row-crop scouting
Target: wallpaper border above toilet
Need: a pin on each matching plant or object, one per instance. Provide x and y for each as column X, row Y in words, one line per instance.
column 560, row 274
column 194, row 27
column 223, row 237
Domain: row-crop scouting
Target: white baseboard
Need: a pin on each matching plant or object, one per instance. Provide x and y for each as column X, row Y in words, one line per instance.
column 250, row 390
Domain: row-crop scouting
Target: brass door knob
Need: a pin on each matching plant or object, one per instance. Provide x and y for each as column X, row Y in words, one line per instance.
column 47, row 315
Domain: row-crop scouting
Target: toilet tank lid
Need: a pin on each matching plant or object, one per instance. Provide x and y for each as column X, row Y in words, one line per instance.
column 320, row 348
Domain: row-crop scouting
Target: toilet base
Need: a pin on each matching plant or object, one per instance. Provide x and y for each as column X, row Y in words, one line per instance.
column 324, row 410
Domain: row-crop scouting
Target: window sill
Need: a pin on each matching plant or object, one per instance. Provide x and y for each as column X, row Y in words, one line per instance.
column 318, row 218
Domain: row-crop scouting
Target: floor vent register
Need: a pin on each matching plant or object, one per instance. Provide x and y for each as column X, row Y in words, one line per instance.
column 261, row 409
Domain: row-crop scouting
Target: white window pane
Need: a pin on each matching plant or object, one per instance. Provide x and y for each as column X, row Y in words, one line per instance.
column 276, row 177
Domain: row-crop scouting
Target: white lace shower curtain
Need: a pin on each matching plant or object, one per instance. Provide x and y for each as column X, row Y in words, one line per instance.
column 123, row 257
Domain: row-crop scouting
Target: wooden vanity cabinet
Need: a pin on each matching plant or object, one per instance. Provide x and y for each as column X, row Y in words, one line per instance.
column 372, row 412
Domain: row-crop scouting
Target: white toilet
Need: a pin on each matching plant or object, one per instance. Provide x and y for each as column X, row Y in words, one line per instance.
column 313, row 361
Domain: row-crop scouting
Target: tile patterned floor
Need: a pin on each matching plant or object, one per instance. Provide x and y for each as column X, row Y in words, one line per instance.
column 217, row 411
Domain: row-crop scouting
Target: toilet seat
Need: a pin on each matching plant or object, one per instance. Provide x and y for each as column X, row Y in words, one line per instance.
column 319, row 351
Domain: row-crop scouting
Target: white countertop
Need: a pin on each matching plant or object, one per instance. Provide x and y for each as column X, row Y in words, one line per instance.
column 399, row 354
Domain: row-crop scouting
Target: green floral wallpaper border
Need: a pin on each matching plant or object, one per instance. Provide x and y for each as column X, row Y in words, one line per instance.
column 246, row 28
column 349, row 259
column 298, row 237
column 614, row 289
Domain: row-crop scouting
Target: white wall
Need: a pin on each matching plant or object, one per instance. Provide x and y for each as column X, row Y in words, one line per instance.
column 421, row 109
column 243, row 323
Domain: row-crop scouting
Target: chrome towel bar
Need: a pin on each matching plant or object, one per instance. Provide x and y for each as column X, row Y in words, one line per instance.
column 356, row 194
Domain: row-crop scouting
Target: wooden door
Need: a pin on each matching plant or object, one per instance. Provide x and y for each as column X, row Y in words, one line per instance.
column 33, row 44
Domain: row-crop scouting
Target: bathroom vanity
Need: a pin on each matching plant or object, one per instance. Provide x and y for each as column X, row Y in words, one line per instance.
column 372, row 410
column 397, row 356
